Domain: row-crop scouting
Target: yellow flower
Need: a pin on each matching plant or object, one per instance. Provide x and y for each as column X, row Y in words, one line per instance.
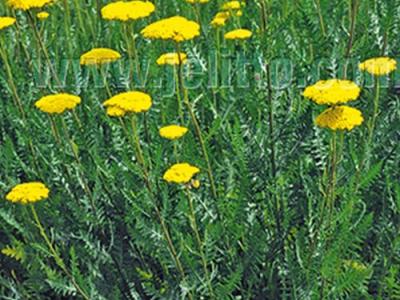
column 340, row 118
column 114, row 111
column 197, row 1
column 130, row 102
column 180, row 173
column 98, row 56
column 172, row 59
column 332, row 91
column 173, row 132
column 232, row 5
column 6, row 22
column 58, row 103
column 195, row 183
column 238, row 34
column 43, row 15
column 218, row 22
column 27, row 4
column 175, row 28
column 220, row 19
column 379, row 66
column 28, row 193
column 238, row 13
column 130, row 10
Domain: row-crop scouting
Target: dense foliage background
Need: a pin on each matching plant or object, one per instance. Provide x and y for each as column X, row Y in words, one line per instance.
column 265, row 236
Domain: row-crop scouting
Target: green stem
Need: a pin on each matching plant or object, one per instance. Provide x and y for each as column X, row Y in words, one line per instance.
column 129, row 37
column 54, row 130
column 67, row 26
column 353, row 18
column 105, row 81
column 176, row 152
column 200, row 244
column 372, row 124
column 332, row 180
column 263, row 16
column 79, row 163
column 54, row 253
column 164, row 227
column 271, row 124
column 139, row 151
column 17, row 99
column 370, row 135
column 196, row 125
column 196, row 8
column 178, row 95
column 43, row 47
column 321, row 18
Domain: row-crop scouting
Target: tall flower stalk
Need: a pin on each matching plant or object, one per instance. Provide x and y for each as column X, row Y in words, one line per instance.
column 196, row 125
column 42, row 47
column 320, row 16
column 377, row 67
column 336, row 117
column 57, row 257
column 130, row 104
column 200, row 243
column 182, row 174
column 56, row 105
column 28, row 194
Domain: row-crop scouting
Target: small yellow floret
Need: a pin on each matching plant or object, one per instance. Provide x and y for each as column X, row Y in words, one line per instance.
column 332, row 92
column 379, row 66
column 6, row 22
column 114, row 111
column 30, row 192
column 180, row 173
column 175, row 28
column 58, row 103
column 130, row 102
column 340, row 118
column 43, row 15
column 173, row 132
column 28, row 4
column 238, row 34
column 129, row 10
column 172, row 59
column 99, row 56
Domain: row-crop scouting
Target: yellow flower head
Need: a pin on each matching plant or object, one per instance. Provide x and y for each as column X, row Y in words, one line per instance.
column 125, row 11
column 332, row 92
column 114, row 111
column 99, row 56
column 379, row 66
column 175, row 28
column 173, row 132
column 43, row 15
column 58, row 103
column 197, row 1
column 30, row 192
column 238, row 13
column 232, row 5
column 220, row 19
column 6, row 22
column 238, row 34
column 340, row 118
column 130, row 102
column 355, row 265
column 196, row 183
column 172, row 59
column 180, row 173
column 27, row 4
